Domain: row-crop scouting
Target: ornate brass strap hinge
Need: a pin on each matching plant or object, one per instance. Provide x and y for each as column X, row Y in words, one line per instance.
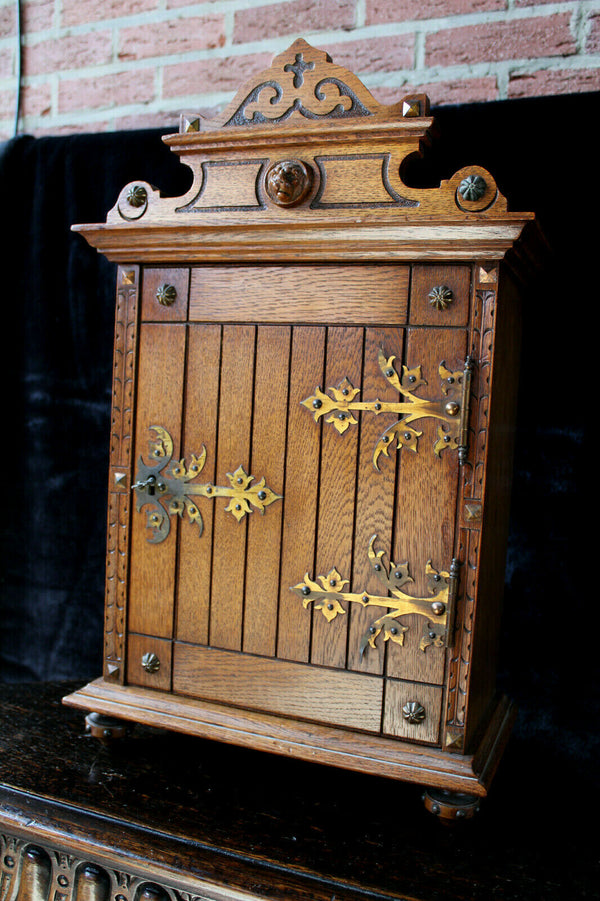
column 338, row 407
column 166, row 488
column 437, row 611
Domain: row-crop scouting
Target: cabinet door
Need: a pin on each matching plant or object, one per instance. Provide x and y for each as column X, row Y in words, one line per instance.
column 297, row 490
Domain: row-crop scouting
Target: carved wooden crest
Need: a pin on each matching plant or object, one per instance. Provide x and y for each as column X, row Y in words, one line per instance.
column 304, row 143
column 303, row 83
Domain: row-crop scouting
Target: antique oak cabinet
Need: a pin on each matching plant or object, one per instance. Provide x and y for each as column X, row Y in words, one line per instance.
column 314, row 387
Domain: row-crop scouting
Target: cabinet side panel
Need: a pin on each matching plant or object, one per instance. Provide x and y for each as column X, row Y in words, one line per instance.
column 426, row 502
column 300, row 492
column 159, row 398
column 199, row 430
column 268, row 457
column 229, row 535
column 121, row 467
column 504, row 362
column 375, row 492
column 337, row 489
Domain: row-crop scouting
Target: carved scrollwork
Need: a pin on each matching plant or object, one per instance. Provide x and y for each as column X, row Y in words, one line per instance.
column 301, row 82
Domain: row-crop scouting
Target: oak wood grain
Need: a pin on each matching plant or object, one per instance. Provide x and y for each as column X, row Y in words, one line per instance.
column 140, row 645
column 229, row 535
column 269, row 427
column 159, row 402
column 156, row 279
column 397, row 694
column 310, row 294
column 292, row 689
column 199, row 430
column 337, row 491
column 426, row 277
column 301, row 491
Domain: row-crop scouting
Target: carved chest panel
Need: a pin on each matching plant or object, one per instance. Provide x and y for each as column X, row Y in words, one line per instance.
column 310, row 453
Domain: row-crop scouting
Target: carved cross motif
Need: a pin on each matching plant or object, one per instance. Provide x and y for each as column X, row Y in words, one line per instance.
column 298, row 68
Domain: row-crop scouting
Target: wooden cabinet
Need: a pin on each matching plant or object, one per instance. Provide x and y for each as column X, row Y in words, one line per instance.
column 314, row 388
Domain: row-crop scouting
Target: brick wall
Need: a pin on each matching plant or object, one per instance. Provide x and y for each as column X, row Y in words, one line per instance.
column 97, row 65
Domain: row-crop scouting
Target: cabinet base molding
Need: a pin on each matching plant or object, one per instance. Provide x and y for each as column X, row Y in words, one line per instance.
column 470, row 774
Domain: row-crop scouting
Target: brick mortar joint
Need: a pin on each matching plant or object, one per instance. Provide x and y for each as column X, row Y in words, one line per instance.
column 581, row 10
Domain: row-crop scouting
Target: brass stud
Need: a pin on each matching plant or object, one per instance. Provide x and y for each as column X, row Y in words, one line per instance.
column 150, row 662
column 411, row 109
column 472, row 188
column 137, row 196
column 414, row 712
column 441, row 297
column 187, row 125
column 166, row 295
column 437, row 608
column 473, row 512
column 452, row 408
column 488, row 276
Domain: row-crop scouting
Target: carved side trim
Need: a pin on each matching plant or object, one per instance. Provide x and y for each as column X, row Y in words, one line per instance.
column 120, row 471
column 470, row 503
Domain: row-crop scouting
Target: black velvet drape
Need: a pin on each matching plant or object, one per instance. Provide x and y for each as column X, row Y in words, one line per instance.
column 57, row 312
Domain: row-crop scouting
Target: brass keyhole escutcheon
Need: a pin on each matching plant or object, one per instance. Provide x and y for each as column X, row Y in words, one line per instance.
column 288, row 182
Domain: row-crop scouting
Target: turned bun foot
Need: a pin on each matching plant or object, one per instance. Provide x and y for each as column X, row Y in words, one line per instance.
column 450, row 806
column 105, row 728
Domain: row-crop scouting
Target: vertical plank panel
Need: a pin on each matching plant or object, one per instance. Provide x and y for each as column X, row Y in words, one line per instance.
column 152, row 571
column 300, row 492
column 426, row 508
column 199, row 428
column 229, row 542
column 374, row 496
column 337, row 494
column 268, row 455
